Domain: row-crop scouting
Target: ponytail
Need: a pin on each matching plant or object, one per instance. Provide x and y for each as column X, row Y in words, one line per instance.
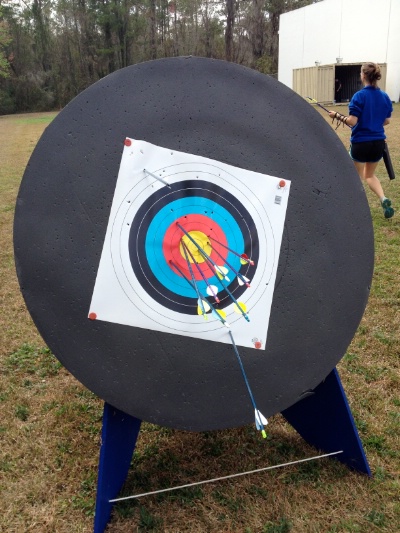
column 372, row 72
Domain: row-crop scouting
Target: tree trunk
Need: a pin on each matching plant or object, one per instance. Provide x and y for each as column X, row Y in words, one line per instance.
column 230, row 23
column 257, row 29
column 153, row 30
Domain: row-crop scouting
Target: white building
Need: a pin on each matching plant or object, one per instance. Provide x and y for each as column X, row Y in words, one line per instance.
column 332, row 38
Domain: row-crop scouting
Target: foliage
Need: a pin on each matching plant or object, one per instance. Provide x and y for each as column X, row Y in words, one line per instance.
column 4, row 42
column 51, row 50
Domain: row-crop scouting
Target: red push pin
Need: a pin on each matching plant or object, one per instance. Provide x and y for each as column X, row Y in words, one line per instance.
column 92, row 316
column 257, row 343
column 127, row 142
column 282, row 183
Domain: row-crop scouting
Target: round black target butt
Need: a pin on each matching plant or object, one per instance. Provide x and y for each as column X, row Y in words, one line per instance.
column 233, row 116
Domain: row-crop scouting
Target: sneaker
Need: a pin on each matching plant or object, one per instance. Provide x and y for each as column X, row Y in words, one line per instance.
column 388, row 210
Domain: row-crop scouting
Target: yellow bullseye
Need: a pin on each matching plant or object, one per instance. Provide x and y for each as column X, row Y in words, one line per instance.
column 202, row 241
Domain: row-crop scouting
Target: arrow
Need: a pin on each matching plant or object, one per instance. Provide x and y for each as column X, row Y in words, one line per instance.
column 234, row 300
column 156, row 177
column 245, row 280
column 244, row 257
column 325, row 109
column 212, row 290
column 209, row 287
column 214, row 312
column 182, row 273
column 208, row 258
column 260, row 419
column 260, row 422
column 217, row 313
column 318, row 104
column 194, row 281
column 238, row 274
column 221, row 271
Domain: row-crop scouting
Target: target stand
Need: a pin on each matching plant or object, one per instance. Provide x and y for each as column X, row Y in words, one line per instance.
column 115, row 190
column 323, row 419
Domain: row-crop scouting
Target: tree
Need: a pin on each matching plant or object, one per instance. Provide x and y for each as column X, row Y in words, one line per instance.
column 53, row 49
column 153, row 29
column 275, row 9
column 4, row 42
column 230, row 24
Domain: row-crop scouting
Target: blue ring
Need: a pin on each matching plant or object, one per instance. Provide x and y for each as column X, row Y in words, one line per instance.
column 165, row 274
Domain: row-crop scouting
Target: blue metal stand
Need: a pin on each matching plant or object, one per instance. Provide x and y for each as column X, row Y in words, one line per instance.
column 324, row 420
column 118, row 440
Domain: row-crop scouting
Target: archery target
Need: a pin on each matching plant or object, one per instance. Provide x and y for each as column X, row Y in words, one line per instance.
column 146, row 278
column 92, row 231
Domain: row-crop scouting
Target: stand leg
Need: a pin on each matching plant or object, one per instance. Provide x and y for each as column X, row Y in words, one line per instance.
column 118, row 440
column 325, row 421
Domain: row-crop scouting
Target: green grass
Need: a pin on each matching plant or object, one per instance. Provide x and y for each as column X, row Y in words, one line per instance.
column 36, row 120
column 50, row 424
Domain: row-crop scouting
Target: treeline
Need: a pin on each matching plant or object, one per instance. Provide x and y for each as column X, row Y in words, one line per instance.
column 50, row 50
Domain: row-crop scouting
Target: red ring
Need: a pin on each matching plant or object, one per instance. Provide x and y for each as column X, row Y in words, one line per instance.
column 174, row 234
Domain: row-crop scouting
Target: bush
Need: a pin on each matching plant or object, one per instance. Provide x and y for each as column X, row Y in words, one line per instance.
column 8, row 104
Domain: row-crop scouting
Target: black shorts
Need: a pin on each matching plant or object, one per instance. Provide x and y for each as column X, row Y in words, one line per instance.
column 367, row 152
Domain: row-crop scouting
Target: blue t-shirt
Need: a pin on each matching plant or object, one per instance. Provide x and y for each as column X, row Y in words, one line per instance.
column 371, row 106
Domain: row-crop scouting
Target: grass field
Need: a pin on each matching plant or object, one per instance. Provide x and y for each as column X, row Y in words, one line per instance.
column 50, row 424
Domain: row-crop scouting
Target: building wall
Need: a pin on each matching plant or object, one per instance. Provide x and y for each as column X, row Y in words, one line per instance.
column 393, row 56
column 354, row 30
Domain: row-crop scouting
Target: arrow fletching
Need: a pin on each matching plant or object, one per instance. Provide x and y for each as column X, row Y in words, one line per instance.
column 242, row 280
column 261, row 422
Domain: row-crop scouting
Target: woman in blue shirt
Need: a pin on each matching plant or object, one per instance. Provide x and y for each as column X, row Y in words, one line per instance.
column 369, row 111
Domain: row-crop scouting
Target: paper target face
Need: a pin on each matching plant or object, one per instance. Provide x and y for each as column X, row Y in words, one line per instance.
column 192, row 246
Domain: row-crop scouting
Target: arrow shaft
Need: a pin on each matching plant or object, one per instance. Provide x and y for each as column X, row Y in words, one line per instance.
column 159, row 178
column 200, row 249
column 193, row 279
column 230, row 249
column 239, row 275
column 234, row 300
column 318, row 104
column 183, row 274
column 214, row 312
column 322, row 107
column 245, row 378
column 208, row 258
column 202, row 274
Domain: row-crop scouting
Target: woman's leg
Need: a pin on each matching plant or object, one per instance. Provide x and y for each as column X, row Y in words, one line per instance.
column 366, row 171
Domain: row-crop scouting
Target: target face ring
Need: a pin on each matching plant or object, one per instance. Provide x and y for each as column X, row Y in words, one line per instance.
column 203, row 230
column 193, row 213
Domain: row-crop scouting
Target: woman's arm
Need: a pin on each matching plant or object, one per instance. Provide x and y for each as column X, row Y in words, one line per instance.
column 350, row 120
